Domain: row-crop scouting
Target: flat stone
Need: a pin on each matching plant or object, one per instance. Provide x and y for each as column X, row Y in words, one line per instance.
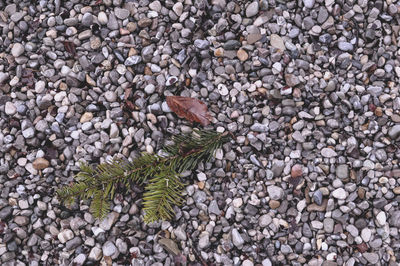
column 108, row 222
column 339, row 193
column 372, row 258
column 277, row 42
column 213, row 208
column 40, row 163
column 345, row 46
column 121, row 13
column 342, row 171
column 328, row 153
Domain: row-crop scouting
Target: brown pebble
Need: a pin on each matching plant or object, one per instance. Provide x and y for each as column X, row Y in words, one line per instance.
column 274, row 204
column 219, row 52
column 361, row 193
column 40, row 163
column 201, row 185
column 242, row 55
column 297, row 170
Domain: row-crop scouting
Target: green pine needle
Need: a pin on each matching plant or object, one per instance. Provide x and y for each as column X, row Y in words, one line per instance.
column 160, row 174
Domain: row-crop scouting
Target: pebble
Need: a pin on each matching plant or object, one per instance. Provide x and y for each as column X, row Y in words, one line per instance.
column 109, row 249
column 339, row 193
column 17, row 50
column 10, row 108
column 237, row 239
column 328, row 153
column 277, row 42
column 252, row 9
column 275, row 192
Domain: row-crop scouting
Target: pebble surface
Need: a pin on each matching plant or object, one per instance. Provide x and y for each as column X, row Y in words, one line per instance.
column 309, row 89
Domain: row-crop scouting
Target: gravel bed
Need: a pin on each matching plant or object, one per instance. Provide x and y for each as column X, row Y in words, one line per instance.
column 308, row 87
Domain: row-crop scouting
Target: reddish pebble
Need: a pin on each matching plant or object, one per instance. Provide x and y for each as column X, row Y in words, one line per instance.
column 297, row 170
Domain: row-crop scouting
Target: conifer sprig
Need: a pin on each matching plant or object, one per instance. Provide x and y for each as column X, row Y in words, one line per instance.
column 160, row 174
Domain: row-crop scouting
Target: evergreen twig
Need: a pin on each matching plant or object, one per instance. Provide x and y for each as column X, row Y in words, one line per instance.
column 160, row 174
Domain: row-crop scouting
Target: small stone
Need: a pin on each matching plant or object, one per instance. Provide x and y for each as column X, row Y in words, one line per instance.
column 109, row 248
column 242, row 55
column 297, row 171
column 133, row 60
column 275, row 192
column 264, row 220
column 80, row 259
column 204, row 241
column 328, row 153
column 274, row 204
column 252, row 9
column 150, row 89
column 65, row 235
column 247, row 263
column 201, row 44
column 17, row 50
column 342, row 171
column 40, row 86
column 86, row 117
column 180, row 233
column 277, row 42
column 309, row 3
column 266, row 262
column 112, row 23
column 345, row 46
column 108, row 222
column 372, row 258
column 317, row 196
column 102, row 18
column 121, row 13
column 40, row 163
column 237, row 203
column 155, row 5
column 178, row 8
column 381, row 219
column 28, row 133
column 291, row 80
column 394, row 132
column 339, row 193
column 237, row 238
column 366, row 234
column 213, row 208
column 95, row 254
column 10, row 108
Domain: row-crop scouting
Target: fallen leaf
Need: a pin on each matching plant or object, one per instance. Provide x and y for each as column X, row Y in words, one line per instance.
column 70, row 48
column 192, row 109
column 362, row 247
column 28, row 78
column 170, row 246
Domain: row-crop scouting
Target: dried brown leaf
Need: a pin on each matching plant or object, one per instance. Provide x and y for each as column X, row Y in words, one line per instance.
column 362, row 247
column 70, row 48
column 192, row 109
